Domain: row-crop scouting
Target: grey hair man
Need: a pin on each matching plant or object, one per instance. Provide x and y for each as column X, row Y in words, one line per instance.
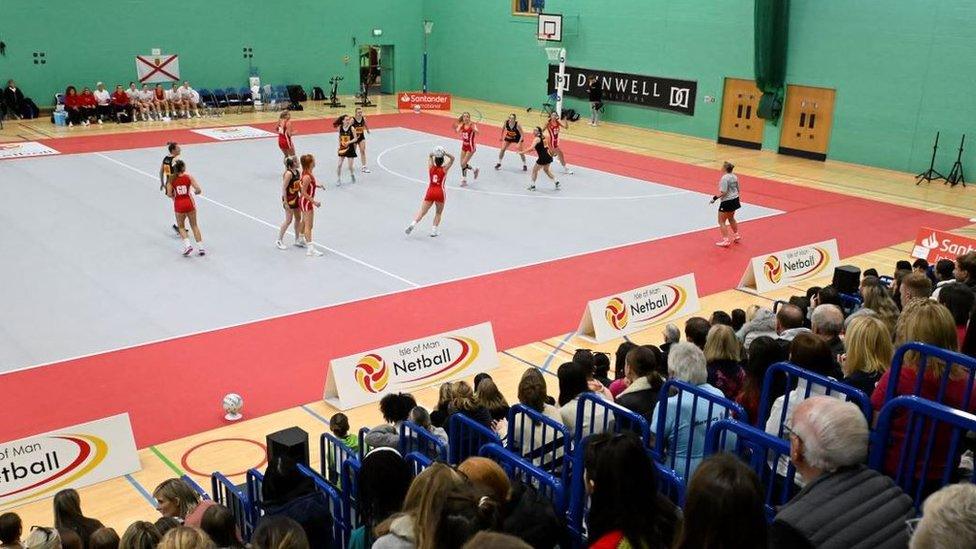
column 827, row 323
column 948, row 519
column 844, row 504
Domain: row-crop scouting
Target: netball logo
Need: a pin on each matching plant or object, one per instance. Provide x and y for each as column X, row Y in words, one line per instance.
column 372, row 373
column 773, row 269
column 617, row 315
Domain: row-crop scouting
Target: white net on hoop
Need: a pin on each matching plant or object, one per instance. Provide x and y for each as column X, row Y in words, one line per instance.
column 553, row 54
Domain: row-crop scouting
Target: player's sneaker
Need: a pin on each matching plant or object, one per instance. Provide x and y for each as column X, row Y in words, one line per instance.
column 525, row 168
column 409, row 228
column 280, row 246
column 724, row 243
column 568, row 171
column 736, row 237
column 464, row 182
column 312, row 252
column 531, row 187
column 365, row 169
column 557, row 185
column 339, row 182
column 433, row 231
column 202, row 252
column 498, row 166
column 476, row 172
column 187, row 251
column 300, row 241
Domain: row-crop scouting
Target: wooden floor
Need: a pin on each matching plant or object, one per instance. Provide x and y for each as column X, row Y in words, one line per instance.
column 235, row 448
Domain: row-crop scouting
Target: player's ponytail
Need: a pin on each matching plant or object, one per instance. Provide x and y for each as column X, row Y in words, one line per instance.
column 179, row 167
column 290, row 162
column 338, row 121
column 171, row 146
column 284, row 114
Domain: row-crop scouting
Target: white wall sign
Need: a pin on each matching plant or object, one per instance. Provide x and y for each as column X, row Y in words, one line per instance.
column 631, row 311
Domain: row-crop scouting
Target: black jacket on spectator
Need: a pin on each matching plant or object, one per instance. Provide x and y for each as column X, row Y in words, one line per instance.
column 529, row 515
column 640, row 397
column 311, row 511
column 14, row 100
column 851, row 507
column 863, row 381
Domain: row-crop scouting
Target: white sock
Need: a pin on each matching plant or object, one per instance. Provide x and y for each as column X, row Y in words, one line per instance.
column 186, row 242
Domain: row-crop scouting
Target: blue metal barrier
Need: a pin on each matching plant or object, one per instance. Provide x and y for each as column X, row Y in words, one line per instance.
column 236, row 500
column 955, row 366
column 255, row 479
column 545, row 442
column 595, row 415
column 467, row 436
column 363, row 448
column 927, row 457
column 669, row 482
column 196, row 487
column 417, row 462
column 340, row 530
column 761, row 451
column 521, row 470
column 850, row 303
column 791, row 375
column 414, row 438
column 333, row 452
column 704, row 408
column 350, row 487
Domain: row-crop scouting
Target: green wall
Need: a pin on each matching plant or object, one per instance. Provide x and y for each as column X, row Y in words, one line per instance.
column 902, row 68
column 293, row 42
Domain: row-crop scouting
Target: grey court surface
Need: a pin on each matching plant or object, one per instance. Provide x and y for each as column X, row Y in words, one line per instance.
column 90, row 263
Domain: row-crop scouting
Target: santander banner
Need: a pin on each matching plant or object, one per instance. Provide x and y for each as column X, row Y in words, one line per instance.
column 425, row 100
column 933, row 245
column 634, row 310
column 368, row 376
column 771, row 271
column 36, row 467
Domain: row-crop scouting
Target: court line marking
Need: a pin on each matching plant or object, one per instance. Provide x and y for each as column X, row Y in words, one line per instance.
column 375, row 296
column 142, row 491
column 270, row 225
column 545, row 365
column 314, row 414
column 172, row 466
column 527, row 194
column 532, row 364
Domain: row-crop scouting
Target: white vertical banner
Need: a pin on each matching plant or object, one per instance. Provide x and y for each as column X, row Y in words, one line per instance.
column 368, row 376
column 627, row 312
column 151, row 69
column 768, row 272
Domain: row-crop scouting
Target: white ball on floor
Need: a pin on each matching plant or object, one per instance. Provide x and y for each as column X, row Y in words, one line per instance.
column 416, row 109
column 233, row 404
column 438, row 151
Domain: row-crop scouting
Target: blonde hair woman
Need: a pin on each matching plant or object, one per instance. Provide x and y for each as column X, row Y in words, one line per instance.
column 417, row 525
column 491, row 398
column 176, row 499
column 869, row 352
column 140, row 535
column 877, row 299
column 185, row 537
column 722, row 356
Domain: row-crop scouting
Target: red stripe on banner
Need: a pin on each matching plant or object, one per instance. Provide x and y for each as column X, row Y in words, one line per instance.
column 157, row 69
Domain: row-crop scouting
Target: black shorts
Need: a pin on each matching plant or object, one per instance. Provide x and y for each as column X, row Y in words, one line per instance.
column 729, row 205
column 544, row 161
column 513, row 139
column 350, row 151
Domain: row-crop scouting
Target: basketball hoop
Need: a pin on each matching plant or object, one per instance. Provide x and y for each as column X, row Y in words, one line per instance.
column 553, row 54
column 544, row 39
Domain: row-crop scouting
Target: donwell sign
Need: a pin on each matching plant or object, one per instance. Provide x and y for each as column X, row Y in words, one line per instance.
column 635, row 89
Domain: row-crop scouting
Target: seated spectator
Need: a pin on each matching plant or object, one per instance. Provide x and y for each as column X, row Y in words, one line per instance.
column 278, row 532
column 121, row 109
column 572, row 384
column 761, row 322
column 584, row 357
column 286, row 491
column 948, row 519
column 878, row 300
column 494, row 540
column 69, row 539
column 175, row 99
column 339, row 425
column 869, row 272
column 478, row 378
column 827, row 323
column 190, row 98
column 395, row 408
column 828, row 446
column 724, row 507
column 186, row 537
column 107, row 538
column 524, row 512
column 89, row 105
column 925, row 321
column 165, row 524
column 720, row 317
column 900, row 275
column 738, row 319
column 965, row 270
column 828, row 295
column 671, row 335
column 438, row 417
column 722, row 360
column 491, row 398
column 464, row 402
column 418, row 522
column 626, row 510
column 959, row 299
column 646, row 377
column 11, row 529
column 764, row 353
column 420, row 416
column 382, row 483
column 68, row 515
column 176, row 499
column 687, row 364
column 140, row 535
column 42, row 537
column 139, row 108
column 789, row 323
column 221, row 527
column 696, row 331
column 14, row 100
column 915, row 286
column 869, row 353
column 943, row 275
column 72, row 106
column 532, row 394
column 620, row 380
column 148, row 99
column 160, row 103
column 810, row 353
column 103, row 103
column 601, row 369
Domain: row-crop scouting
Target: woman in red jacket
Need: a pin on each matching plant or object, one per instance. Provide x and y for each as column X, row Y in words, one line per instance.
column 72, row 105
column 89, row 104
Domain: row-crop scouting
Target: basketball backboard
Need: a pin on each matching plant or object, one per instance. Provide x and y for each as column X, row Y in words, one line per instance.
column 550, row 27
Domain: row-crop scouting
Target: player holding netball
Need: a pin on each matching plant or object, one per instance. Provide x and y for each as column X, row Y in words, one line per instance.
column 511, row 135
column 543, row 153
column 437, row 168
column 552, row 129
column 728, row 195
column 307, row 203
column 361, row 129
column 285, row 142
column 178, row 188
column 468, row 132
column 291, row 190
column 347, row 147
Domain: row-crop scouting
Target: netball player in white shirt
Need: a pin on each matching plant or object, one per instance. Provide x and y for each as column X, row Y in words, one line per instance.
column 175, row 99
column 135, row 100
column 149, row 100
column 191, row 98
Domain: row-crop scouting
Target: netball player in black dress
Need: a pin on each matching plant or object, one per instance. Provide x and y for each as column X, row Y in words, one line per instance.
column 511, row 135
column 544, row 159
column 347, row 147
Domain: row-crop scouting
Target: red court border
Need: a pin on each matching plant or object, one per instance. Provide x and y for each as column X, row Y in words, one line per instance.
column 185, row 460
column 168, row 387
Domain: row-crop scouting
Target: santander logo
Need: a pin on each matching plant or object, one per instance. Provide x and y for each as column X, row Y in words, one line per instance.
column 930, row 241
column 405, row 98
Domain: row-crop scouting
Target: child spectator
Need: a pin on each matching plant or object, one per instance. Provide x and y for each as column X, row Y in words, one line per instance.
column 339, row 425
column 11, row 528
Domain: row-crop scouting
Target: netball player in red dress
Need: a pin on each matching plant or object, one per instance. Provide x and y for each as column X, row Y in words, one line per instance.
column 179, row 188
column 511, row 135
column 552, row 129
column 361, row 128
column 291, row 190
column 284, row 134
column 437, row 168
column 468, row 132
column 307, row 202
column 347, row 147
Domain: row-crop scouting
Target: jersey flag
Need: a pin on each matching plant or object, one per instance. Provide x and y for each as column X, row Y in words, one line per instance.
column 157, row 68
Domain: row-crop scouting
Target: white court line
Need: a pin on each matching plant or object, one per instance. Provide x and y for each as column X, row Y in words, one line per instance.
column 271, row 225
column 528, row 194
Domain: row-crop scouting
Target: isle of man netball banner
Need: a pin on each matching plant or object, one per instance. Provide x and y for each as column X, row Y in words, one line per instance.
column 617, row 315
column 933, row 245
column 368, row 376
column 636, row 89
column 778, row 269
column 36, row 467
column 157, row 68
